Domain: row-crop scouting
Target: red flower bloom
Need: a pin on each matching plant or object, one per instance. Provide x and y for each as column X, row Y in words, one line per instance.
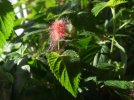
column 58, row 29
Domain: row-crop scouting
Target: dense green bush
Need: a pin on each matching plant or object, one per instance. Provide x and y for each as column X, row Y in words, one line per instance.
column 69, row 49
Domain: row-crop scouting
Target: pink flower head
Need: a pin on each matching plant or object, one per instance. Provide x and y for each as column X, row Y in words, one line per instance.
column 132, row 93
column 58, row 30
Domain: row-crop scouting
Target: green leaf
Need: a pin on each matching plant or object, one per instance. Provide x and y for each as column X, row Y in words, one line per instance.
column 101, row 57
column 84, row 3
column 66, row 69
column 98, row 8
column 87, row 55
column 6, row 21
column 106, row 66
column 50, row 3
column 111, row 3
column 125, row 85
column 83, row 42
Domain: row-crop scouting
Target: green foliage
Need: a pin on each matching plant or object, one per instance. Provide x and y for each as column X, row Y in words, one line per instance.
column 117, row 84
column 6, row 76
column 111, row 3
column 98, row 8
column 123, row 56
column 6, row 21
column 94, row 60
column 66, row 69
column 50, row 3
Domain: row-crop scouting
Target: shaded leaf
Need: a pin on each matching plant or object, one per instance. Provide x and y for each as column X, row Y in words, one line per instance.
column 101, row 56
column 6, row 76
column 119, row 84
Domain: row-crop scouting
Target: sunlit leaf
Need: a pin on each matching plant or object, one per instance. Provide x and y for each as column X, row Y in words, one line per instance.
column 111, row 3
column 66, row 69
column 6, row 21
column 98, row 8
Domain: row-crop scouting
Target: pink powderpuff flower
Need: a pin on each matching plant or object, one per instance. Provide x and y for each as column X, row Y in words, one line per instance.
column 58, row 30
column 132, row 93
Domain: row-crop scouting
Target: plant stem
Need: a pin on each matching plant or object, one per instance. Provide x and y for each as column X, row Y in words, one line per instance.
column 58, row 45
column 114, row 29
